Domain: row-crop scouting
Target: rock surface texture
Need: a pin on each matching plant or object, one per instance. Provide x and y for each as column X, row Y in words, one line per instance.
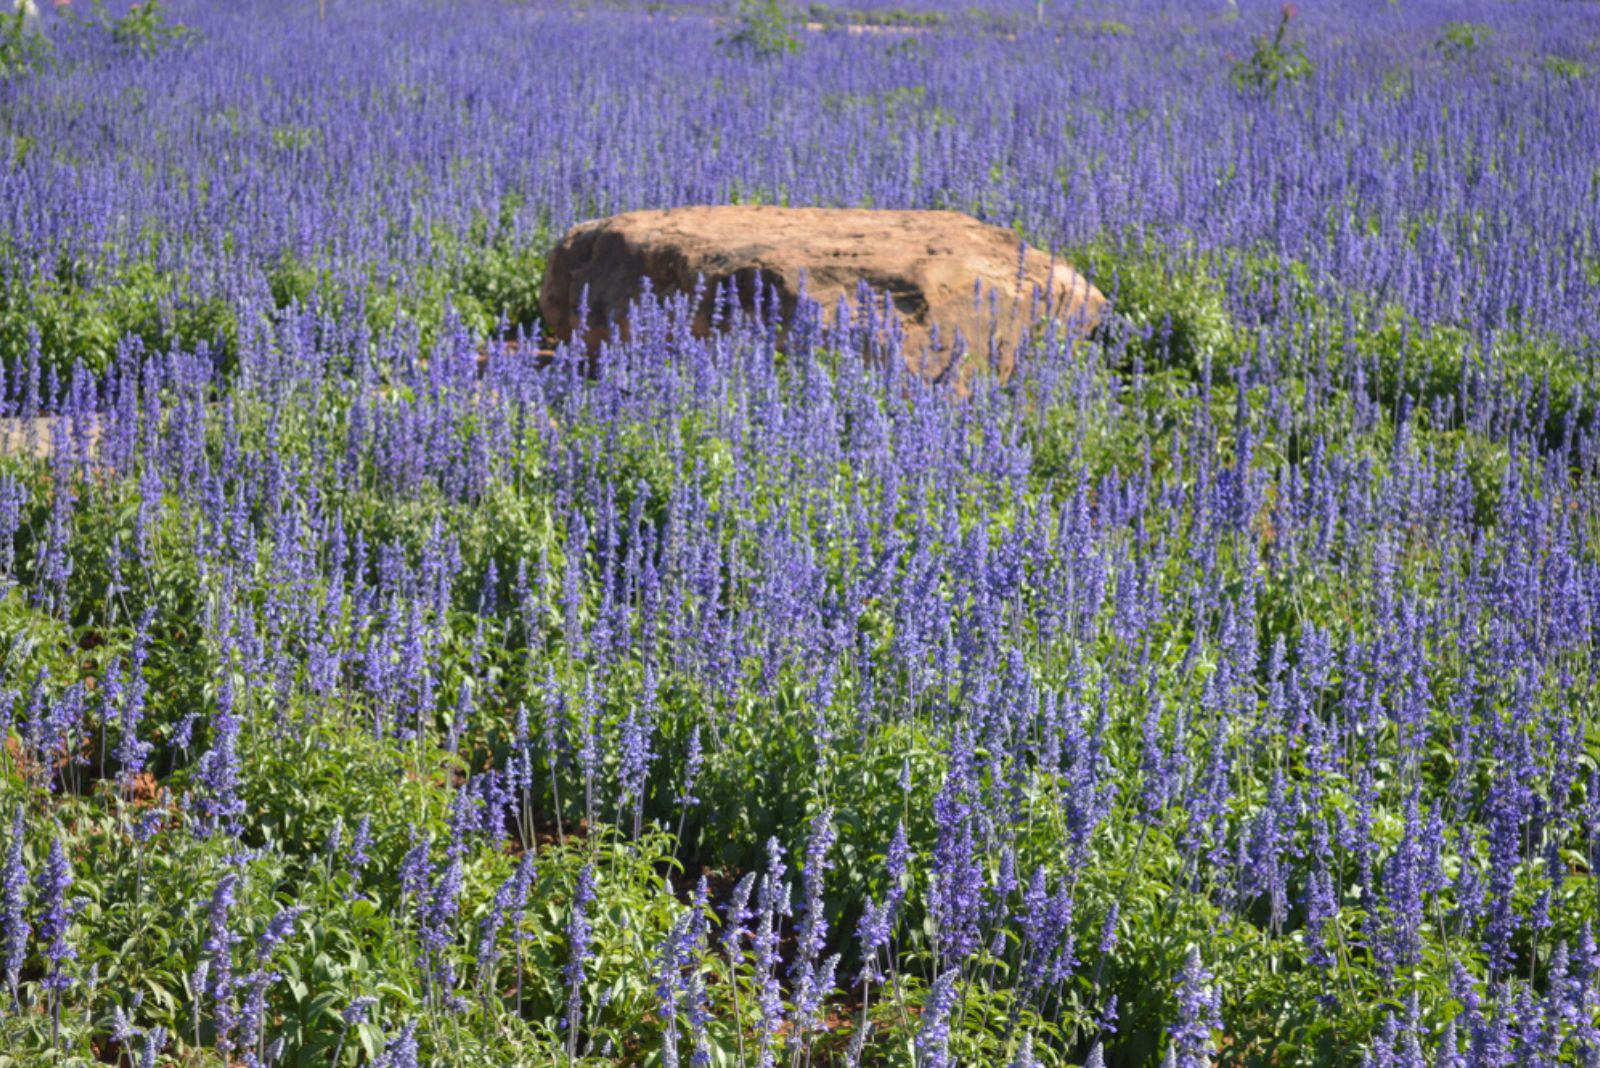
column 927, row 263
column 36, row 437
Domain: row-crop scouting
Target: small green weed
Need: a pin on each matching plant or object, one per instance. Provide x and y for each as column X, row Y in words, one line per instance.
column 1107, row 28
column 890, row 17
column 763, row 28
column 1565, row 69
column 22, row 47
column 146, row 30
column 1274, row 61
column 1462, row 40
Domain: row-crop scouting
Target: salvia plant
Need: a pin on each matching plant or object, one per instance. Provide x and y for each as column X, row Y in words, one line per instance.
column 1216, row 688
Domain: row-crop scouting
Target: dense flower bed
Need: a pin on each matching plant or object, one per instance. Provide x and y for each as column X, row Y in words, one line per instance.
column 1220, row 689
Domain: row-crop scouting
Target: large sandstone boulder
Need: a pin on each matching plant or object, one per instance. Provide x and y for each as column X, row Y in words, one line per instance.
column 925, row 261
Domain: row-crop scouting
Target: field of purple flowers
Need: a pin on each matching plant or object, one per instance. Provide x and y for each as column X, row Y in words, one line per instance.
column 1217, row 690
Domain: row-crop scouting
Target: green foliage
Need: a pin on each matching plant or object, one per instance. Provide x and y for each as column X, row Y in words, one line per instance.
column 1274, row 61
column 1405, row 364
column 763, row 28
column 1398, row 83
column 1565, row 69
column 146, row 30
column 292, row 281
column 895, row 17
column 22, row 47
column 484, row 278
column 1462, row 40
column 502, row 277
column 81, row 319
column 294, row 138
column 1106, row 28
column 1175, row 305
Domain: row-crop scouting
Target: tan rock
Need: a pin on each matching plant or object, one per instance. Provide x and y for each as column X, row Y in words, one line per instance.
column 927, row 262
column 35, row 438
